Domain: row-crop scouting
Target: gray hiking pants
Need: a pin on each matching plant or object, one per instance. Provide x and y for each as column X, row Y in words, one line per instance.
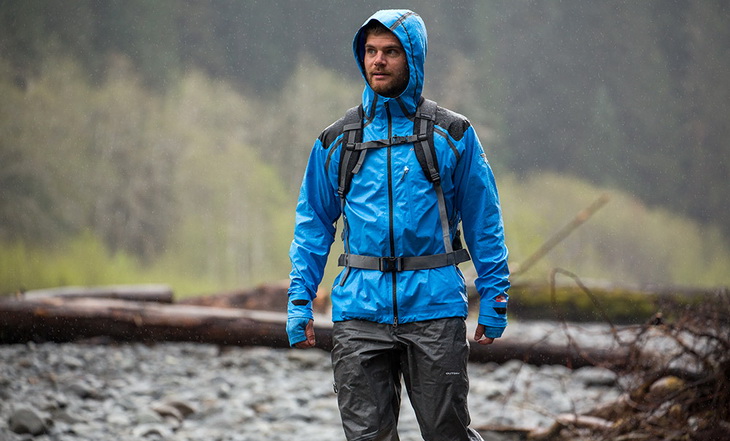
column 368, row 360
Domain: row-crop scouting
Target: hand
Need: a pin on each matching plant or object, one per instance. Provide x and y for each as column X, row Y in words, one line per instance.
column 309, row 333
column 480, row 338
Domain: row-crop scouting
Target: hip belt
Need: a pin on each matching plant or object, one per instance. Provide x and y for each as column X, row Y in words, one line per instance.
column 405, row 263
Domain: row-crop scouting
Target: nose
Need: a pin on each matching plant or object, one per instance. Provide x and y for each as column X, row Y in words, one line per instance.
column 379, row 59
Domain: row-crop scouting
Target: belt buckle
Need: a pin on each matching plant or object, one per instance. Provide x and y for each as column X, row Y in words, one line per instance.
column 391, row 264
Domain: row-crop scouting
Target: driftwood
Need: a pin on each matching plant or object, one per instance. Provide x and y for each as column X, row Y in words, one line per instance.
column 140, row 293
column 682, row 393
column 267, row 297
column 594, row 424
column 64, row 319
column 68, row 319
column 662, row 399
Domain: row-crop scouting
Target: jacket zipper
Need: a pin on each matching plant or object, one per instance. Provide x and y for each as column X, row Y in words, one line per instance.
column 394, row 274
column 405, row 172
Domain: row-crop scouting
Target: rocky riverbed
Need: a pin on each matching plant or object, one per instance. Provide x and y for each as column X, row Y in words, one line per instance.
column 186, row 391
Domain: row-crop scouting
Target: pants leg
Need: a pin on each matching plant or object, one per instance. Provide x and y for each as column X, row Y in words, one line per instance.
column 367, row 378
column 368, row 360
column 434, row 366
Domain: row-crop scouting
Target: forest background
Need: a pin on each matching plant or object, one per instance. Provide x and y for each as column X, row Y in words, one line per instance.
column 165, row 141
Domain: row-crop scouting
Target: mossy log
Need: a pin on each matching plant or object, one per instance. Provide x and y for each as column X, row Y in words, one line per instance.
column 600, row 302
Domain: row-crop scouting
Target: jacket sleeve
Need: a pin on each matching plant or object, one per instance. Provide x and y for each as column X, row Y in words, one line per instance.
column 478, row 201
column 318, row 208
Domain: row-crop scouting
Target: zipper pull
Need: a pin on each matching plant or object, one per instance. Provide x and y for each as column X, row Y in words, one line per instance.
column 405, row 172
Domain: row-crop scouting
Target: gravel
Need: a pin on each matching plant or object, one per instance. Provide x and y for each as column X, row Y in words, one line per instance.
column 186, row 391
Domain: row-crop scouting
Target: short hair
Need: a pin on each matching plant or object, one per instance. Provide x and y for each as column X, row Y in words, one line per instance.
column 375, row 27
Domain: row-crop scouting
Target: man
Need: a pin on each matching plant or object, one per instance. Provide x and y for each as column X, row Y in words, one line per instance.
column 400, row 304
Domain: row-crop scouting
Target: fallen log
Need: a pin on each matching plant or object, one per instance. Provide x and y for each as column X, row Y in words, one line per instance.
column 569, row 420
column 594, row 301
column 63, row 319
column 68, row 319
column 505, row 349
column 141, row 293
column 270, row 296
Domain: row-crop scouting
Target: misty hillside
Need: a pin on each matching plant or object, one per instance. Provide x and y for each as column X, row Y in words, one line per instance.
column 169, row 137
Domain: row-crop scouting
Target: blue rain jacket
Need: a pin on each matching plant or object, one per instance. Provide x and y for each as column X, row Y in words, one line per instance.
column 392, row 210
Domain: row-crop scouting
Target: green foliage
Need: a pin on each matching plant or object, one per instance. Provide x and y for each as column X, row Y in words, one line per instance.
column 235, row 217
column 82, row 260
column 40, row 132
column 625, row 241
column 310, row 101
column 146, row 157
column 624, row 94
column 169, row 180
column 84, row 157
column 616, row 92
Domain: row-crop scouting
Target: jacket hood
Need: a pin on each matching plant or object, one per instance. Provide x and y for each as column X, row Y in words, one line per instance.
column 409, row 28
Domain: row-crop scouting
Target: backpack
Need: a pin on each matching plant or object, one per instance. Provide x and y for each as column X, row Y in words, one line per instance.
column 352, row 156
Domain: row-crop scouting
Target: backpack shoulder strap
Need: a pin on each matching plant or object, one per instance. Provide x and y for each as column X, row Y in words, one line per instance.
column 424, row 147
column 352, row 155
column 349, row 157
column 425, row 150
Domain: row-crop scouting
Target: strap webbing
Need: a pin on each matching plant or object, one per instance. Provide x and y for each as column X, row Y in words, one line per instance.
column 352, row 132
column 409, row 263
column 354, row 150
column 425, row 118
column 445, row 231
column 380, row 143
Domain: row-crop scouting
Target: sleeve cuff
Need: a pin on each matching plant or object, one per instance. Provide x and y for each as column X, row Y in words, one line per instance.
column 295, row 329
column 299, row 307
column 493, row 332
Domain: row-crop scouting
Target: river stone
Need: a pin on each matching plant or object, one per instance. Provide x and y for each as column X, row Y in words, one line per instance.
column 185, row 408
column 26, row 420
column 147, row 416
column 240, row 394
column 165, row 410
column 151, row 430
column 595, row 376
column 82, row 390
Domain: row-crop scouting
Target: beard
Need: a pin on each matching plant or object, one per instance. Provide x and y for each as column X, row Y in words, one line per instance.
column 390, row 89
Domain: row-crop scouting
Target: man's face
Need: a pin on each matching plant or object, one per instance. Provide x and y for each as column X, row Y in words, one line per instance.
column 386, row 68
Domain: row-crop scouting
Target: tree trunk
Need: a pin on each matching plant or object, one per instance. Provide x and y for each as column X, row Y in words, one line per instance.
column 64, row 319
column 67, row 319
